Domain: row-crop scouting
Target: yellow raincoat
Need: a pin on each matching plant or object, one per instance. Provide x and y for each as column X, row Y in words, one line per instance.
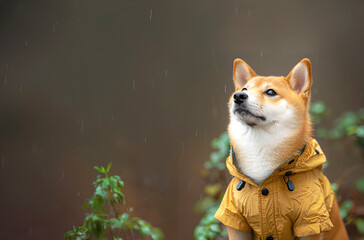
column 294, row 201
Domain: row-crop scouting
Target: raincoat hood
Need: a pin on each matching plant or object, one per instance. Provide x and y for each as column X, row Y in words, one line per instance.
column 294, row 201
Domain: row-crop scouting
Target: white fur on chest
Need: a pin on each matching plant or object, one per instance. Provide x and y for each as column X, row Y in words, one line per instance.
column 256, row 148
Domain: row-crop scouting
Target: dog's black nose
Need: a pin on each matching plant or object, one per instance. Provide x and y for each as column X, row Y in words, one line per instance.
column 239, row 97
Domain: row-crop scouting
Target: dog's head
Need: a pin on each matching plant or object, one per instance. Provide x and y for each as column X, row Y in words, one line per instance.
column 260, row 102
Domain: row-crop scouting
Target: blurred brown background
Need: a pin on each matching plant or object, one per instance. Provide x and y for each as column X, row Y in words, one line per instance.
column 144, row 84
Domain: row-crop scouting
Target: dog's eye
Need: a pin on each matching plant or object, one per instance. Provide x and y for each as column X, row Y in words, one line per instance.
column 244, row 89
column 270, row 92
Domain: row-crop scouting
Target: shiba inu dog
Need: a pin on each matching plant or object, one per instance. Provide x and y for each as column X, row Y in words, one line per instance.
column 278, row 190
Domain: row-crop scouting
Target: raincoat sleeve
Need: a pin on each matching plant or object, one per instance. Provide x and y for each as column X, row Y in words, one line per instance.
column 228, row 214
column 313, row 217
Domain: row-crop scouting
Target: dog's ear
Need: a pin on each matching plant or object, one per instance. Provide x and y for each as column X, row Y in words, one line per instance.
column 242, row 73
column 299, row 78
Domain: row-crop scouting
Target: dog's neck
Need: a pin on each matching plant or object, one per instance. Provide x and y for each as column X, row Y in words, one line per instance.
column 260, row 150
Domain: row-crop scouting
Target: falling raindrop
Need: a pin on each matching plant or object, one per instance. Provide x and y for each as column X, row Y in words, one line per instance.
column 261, row 54
column 113, row 116
column 133, row 87
column 236, row 11
column 190, row 184
column 26, row 43
column 196, row 132
column 225, row 88
column 151, row 14
column 30, row 231
column 166, row 72
column 5, row 77
column 78, row 194
column 81, row 125
column 249, row 12
column 214, row 112
column 145, row 139
column 183, row 147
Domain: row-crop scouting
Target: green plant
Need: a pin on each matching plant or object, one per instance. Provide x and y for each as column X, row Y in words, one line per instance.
column 99, row 224
column 209, row 227
column 350, row 125
column 214, row 175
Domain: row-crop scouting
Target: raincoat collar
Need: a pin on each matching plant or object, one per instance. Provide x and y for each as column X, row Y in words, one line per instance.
column 310, row 157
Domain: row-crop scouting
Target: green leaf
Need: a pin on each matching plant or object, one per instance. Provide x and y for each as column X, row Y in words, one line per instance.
column 214, row 157
column 360, row 185
column 215, row 227
column 335, row 133
column 100, row 191
column 345, row 207
column 323, row 133
column 86, row 204
column 108, row 168
column 335, row 187
column 325, row 165
column 208, row 165
column 107, row 182
column 347, row 120
column 204, row 204
column 119, row 222
column 359, row 223
column 215, row 143
column 360, row 131
column 224, row 233
column 213, row 189
column 100, row 170
column 318, row 107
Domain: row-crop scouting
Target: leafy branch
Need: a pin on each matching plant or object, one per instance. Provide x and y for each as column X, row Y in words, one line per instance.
column 98, row 224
